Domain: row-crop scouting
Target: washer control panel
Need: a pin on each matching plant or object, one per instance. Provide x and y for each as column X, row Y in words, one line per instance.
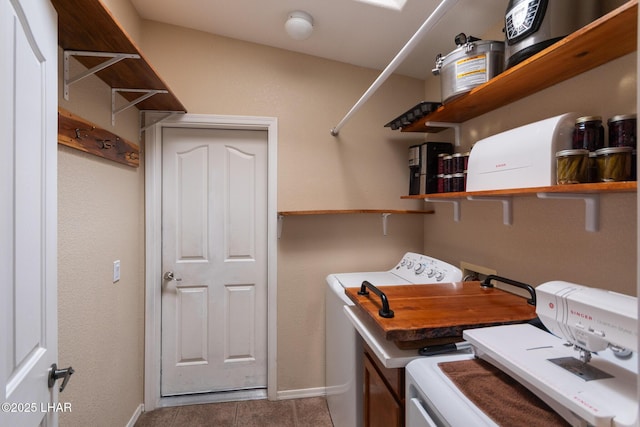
column 417, row 268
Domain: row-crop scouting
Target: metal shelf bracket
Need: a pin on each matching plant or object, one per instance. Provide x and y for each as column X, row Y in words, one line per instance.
column 146, row 93
column 507, row 206
column 454, row 126
column 385, row 218
column 592, row 206
column 456, row 206
column 115, row 57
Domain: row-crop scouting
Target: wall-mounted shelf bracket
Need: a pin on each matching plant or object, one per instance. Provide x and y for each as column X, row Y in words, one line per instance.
column 456, row 206
column 592, row 206
column 280, row 222
column 115, row 57
column 454, row 126
column 146, row 93
column 165, row 115
column 385, row 218
column 507, row 206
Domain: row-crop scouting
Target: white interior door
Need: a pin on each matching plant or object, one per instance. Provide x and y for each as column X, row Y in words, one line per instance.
column 28, row 220
column 214, row 256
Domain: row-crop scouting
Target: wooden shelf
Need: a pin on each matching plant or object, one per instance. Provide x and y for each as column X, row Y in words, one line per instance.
column 384, row 212
column 609, row 37
column 81, row 134
column 605, row 187
column 87, row 25
column 589, row 193
column 353, row 211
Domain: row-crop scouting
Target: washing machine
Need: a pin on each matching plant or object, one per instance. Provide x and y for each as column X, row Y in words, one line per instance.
column 343, row 345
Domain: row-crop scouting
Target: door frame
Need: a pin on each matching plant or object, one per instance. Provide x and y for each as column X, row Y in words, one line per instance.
column 153, row 248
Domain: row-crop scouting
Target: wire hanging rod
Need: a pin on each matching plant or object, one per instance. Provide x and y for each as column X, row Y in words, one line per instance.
column 430, row 22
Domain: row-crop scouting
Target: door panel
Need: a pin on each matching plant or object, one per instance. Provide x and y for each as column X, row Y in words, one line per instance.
column 214, row 241
column 192, row 326
column 241, row 323
column 28, row 221
column 240, row 206
column 192, row 204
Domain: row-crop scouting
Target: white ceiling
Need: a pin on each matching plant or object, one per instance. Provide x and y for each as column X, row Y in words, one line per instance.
column 351, row 31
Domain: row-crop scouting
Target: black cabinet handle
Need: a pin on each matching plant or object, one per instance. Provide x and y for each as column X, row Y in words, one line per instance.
column 532, row 292
column 385, row 311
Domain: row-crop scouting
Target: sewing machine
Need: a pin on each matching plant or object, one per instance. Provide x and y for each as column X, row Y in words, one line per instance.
column 587, row 368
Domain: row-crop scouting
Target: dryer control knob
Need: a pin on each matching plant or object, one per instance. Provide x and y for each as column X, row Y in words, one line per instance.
column 420, row 268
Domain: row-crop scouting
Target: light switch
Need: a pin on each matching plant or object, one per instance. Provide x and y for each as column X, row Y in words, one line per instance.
column 116, row 270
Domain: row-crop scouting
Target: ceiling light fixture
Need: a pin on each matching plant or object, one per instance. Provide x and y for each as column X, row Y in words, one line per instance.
column 299, row 25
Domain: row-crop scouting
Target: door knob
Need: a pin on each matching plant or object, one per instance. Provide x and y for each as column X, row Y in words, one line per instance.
column 170, row 276
column 55, row 374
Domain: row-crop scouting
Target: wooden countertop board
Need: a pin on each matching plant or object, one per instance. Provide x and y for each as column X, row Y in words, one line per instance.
column 442, row 310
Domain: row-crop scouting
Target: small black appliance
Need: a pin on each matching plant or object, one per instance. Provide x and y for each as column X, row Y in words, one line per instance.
column 429, row 164
column 532, row 25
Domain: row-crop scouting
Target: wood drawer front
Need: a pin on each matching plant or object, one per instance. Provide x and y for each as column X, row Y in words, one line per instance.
column 393, row 377
column 381, row 406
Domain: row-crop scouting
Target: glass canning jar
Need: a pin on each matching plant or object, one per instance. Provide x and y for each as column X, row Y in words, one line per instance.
column 588, row 133
column 614, row 164
column 622, row 131
column 572, row 166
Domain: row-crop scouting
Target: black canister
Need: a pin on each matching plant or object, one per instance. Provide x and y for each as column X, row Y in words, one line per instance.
column 457, row 182
column 588, row 133
column 440, row 181
column 447, row 183
column 448, row 164
column 441, row 157
column 457, row 162
column 622, row 131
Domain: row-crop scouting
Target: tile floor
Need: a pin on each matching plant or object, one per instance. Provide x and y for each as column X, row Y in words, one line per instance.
column 310, row 412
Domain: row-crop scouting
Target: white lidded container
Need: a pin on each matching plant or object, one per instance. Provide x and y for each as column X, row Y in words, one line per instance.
column 523, row 157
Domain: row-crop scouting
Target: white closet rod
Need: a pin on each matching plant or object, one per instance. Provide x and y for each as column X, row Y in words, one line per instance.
column 431, row 21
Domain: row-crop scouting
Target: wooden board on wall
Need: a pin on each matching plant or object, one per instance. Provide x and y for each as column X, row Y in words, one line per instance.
column 81, row 134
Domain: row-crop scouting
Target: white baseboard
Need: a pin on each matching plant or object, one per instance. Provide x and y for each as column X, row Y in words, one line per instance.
column 136, row 414
column 302, row 393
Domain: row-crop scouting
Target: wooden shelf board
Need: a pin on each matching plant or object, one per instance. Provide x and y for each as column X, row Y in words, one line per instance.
column 607, row 38
column 81, row 134
column 87, row 25
column 613, row 187
column 353, row 211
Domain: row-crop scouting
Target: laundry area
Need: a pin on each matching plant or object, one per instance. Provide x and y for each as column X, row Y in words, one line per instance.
column 361, row 213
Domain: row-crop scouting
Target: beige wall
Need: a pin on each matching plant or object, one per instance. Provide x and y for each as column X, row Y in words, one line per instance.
column 126, row 16
column 101, row 219
column 547, row 240
column 365, row 167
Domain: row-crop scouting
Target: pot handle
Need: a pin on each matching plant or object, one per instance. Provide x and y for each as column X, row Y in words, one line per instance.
column 462, row 38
